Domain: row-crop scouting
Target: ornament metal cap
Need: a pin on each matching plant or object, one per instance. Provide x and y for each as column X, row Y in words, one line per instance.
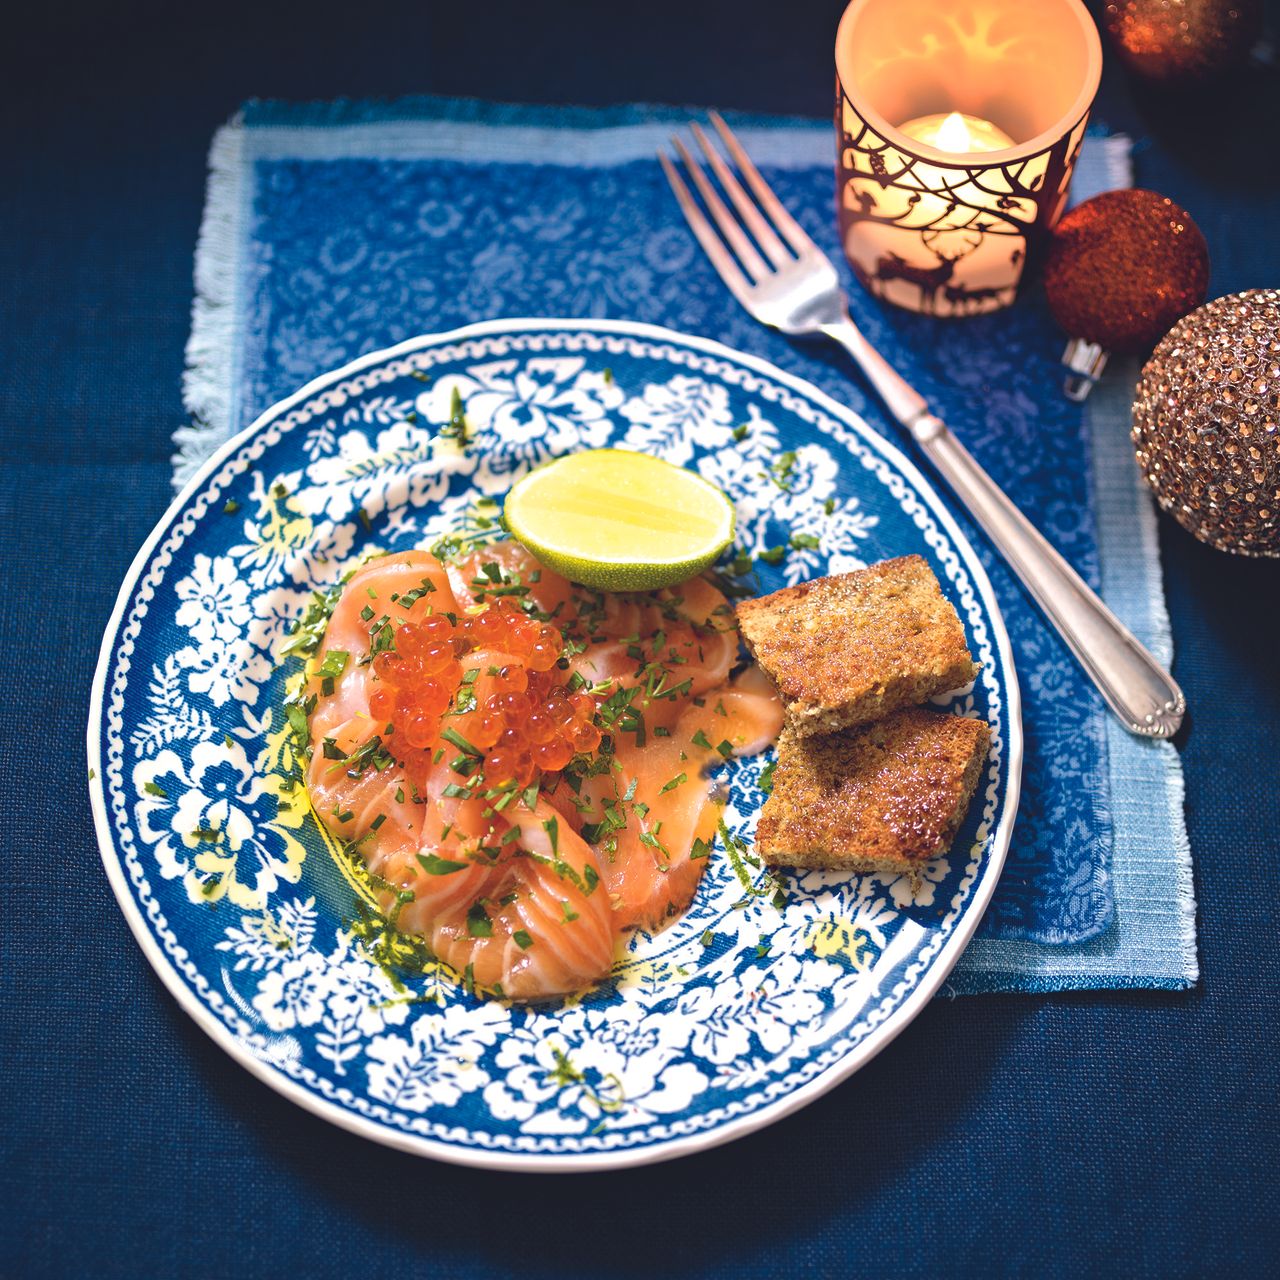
column 1086, row 361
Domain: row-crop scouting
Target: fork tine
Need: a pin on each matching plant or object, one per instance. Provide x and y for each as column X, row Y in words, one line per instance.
column 774, row 207
column 746, row 207
column 728, row 224
column 711, row 243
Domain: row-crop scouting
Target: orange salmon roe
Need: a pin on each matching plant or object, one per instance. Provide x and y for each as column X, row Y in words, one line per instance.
column 525, row 720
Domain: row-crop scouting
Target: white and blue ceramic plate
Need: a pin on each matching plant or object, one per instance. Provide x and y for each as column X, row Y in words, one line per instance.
column 739, row 1013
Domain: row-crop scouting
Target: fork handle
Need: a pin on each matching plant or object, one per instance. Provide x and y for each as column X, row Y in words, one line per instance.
column 1134, row 685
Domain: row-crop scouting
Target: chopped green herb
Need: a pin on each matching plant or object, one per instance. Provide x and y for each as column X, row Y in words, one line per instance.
column 478, row 923
column 410, row 598
column 456, row 428
column 781, row 472
column 678, row 780
column 766, row 777
column 155, row 789
column 434, row 865
column 334, row 664
column 452, row 735
column 230, row 507
column 308, row 631
column 522, row 940
column 382, row 638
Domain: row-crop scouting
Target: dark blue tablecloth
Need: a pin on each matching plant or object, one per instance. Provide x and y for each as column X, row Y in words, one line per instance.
column 1105, row 1133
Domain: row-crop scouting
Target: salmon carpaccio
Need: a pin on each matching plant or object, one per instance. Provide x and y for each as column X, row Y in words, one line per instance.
column 522, row 763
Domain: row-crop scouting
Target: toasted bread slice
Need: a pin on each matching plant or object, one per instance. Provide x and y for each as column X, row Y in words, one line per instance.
column 849, row 649
column 884, row 797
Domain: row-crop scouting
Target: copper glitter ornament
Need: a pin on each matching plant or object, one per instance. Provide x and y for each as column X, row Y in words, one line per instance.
column 1121, row 269
column 1174, row 42
column 1206, row 423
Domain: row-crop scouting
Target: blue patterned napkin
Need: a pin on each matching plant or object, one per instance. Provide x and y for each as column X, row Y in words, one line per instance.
column 334, row 230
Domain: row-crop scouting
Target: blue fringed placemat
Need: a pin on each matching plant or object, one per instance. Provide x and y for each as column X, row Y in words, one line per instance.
column 334, row 230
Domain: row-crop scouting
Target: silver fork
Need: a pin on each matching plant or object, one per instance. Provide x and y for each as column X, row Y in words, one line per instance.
column 797, row 290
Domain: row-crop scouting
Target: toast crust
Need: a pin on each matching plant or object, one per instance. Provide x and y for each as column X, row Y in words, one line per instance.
column 849, row 649
column 883, row 797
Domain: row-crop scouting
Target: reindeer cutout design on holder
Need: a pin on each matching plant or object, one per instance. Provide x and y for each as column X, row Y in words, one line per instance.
column 965, row 300
column 952, row 239
column 928, row 280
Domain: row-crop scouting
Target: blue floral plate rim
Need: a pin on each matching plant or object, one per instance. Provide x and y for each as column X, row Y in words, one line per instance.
column 927, row 983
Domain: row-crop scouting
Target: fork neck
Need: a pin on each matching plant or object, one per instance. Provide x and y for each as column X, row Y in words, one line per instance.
column 902, row 400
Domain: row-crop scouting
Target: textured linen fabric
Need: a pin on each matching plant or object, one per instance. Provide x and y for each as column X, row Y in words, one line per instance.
column 1102, row 1133
column 331, row 230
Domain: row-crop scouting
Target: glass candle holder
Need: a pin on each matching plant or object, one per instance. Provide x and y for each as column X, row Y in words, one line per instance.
column 958, row 125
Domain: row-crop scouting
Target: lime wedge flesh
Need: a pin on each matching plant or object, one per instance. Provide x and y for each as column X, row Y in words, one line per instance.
column 620, row 521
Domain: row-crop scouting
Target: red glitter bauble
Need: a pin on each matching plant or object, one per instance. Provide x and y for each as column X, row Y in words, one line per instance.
column 1123, row 268
column 1176, row 41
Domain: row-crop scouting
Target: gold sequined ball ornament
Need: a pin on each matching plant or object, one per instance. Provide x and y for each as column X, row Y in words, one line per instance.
column 1179, row 42
column 1206, row 422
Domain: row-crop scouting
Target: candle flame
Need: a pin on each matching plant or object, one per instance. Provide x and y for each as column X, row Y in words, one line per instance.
column 954, row 135
column 957, row 133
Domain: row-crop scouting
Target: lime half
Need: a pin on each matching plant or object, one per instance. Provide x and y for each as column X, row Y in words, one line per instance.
column 620, row 521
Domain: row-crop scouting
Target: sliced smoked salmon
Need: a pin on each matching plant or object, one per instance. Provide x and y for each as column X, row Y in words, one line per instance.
column 523, row 764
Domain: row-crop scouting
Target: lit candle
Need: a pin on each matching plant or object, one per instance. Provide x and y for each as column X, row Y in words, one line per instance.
column 941, row 212
column 957, row 132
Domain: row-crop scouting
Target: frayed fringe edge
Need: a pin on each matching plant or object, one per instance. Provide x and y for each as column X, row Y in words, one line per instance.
column 207, row 379
column 1117, row 150
column 1159, row 639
